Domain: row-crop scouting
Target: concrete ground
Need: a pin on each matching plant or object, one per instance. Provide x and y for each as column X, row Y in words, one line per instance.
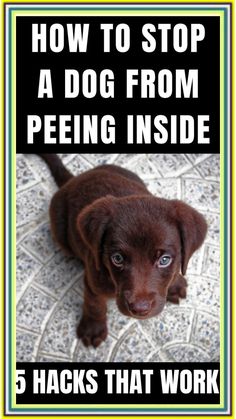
column 50, row 285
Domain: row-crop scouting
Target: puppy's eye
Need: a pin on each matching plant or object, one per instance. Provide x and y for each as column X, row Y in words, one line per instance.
column 117, row 259
column 164, row 261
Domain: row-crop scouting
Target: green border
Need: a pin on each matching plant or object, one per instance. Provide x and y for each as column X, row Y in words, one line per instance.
column 11, row 203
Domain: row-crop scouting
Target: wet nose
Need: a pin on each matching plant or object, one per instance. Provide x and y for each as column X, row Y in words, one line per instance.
column 140, row 307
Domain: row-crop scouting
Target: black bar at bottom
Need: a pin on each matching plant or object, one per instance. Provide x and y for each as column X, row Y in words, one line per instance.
column 118, row 383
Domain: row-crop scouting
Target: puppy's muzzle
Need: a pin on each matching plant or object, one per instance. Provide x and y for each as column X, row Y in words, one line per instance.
column 143, row 306
column 138, row 306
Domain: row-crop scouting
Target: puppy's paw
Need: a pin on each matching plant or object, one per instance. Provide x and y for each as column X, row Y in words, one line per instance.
column 92, row 332
column 177, row 290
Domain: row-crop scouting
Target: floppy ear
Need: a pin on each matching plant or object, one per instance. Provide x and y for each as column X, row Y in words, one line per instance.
column 193, row 228
column 92, row 223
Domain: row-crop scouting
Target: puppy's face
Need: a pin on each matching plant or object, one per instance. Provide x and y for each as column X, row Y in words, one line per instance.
column 143, row 242
column 143, row 256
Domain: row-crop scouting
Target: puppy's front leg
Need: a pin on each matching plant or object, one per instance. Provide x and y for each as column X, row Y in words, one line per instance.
column 177, row 289
column 92, row 328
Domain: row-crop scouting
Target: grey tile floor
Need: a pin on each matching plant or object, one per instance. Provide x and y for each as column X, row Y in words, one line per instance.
column 50, row 285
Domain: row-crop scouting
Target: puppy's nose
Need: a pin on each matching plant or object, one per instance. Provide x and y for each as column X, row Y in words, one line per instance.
column 140, row 307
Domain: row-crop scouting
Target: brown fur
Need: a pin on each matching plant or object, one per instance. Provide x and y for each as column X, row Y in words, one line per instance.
column 108, row 211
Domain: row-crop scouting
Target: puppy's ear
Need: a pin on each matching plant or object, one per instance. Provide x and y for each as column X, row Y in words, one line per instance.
column 92, row 223
column 193, row 228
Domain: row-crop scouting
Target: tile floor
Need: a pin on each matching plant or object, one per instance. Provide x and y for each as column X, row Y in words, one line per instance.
column 50, row 286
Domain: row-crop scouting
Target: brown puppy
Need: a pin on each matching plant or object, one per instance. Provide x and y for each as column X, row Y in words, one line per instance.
column 135, row 247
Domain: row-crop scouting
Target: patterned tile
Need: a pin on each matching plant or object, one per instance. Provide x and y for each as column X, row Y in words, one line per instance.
column 37, row 166
column 40, row 242
column 25, row 346
column 206, row 334
column 24, row 175
column 125, row 160
column 195, row 263
column 98, row 159
column 100, row 354
column 144, row 168
column 201, row 194
column 203, row 293
column 173, row 324
column 117, row 323
column 58, row 274
column 213, row 222
column 26, row 268
column 170, row 165
column 187, row 353
column 197, row 158
column 59, row 336
column 156, row 356
column 42, row 172
column 209, row 169
column 192, row 173
column 53, row 358
column 211, row 262
column 33, row 309
column 165, row 188
column 32, row 205
column 78, row 165
column 130, row 348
